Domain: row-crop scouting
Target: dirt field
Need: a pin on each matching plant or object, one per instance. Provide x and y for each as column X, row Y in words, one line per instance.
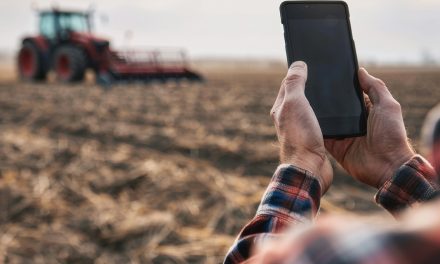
column 156, row 173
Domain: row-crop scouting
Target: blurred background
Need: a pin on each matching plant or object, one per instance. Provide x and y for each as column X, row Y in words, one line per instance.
column 168, row 171
column 391, row 32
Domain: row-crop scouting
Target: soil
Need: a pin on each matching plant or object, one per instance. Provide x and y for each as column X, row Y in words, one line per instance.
column 158, row 173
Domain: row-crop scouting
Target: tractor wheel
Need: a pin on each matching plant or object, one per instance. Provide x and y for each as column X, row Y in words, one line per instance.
column 70, row 64
column 31, row 63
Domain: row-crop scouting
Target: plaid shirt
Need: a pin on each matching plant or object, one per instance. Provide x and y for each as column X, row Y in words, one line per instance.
column 293, row 199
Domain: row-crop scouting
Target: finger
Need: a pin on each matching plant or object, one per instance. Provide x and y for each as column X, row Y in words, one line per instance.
column 338, row 147
column 368, row 103
column 296, row 78
column 329, row 143
column 375, row 88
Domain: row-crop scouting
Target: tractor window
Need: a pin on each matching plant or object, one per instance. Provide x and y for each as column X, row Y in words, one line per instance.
column 74, row 22
column 47, row 25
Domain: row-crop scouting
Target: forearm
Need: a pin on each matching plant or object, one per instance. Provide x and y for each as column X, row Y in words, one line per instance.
column 292, row 197
column 414, row 182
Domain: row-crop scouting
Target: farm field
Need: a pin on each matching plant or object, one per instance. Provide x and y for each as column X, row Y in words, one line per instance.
column 158, row 173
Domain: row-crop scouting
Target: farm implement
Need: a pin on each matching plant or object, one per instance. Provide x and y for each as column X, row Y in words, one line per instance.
column 66, row 45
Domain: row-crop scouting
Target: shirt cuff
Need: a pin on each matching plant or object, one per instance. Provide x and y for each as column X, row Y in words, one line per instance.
column 293, row 194
column 412, row 183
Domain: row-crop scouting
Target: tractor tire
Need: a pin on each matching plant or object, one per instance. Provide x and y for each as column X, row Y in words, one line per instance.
column 31, row 65
column 70, row 64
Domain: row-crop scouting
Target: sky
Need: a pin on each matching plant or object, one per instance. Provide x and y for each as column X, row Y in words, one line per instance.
column 385, row 31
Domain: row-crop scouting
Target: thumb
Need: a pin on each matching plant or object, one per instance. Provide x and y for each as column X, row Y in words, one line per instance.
column 373, row 87
column 296, row 78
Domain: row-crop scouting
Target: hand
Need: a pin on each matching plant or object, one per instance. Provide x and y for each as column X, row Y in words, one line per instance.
column 298, row 131
column 374, row 158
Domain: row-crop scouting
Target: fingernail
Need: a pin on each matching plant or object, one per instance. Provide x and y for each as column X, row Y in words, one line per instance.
column 298, row 64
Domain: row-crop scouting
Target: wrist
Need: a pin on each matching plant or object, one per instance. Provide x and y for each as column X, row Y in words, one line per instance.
column 395, row 163
column 314, row 161
column 318, row 166
column 308, row 161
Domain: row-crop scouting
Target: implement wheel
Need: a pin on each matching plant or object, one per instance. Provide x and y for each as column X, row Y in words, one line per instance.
column 69, row 64
column 30, row 63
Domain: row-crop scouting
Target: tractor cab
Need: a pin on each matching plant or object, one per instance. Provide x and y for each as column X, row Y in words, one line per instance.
column 56, row 24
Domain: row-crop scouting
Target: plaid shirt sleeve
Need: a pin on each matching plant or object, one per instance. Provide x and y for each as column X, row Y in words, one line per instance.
column 293, row 197
column 414, row 182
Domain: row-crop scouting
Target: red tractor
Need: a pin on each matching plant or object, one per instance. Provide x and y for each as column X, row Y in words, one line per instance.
column 67, row 46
